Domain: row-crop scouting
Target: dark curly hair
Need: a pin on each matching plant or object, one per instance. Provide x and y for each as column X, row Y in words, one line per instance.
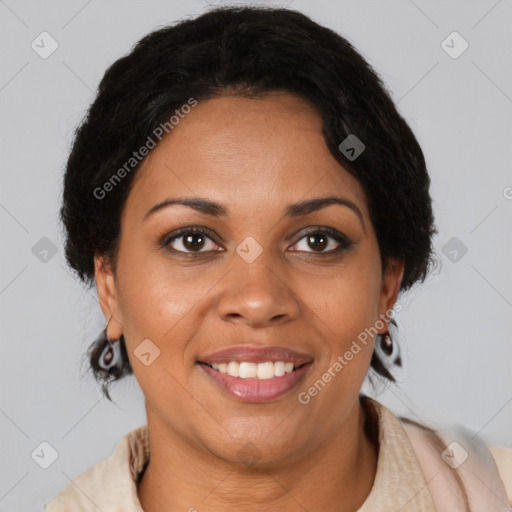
column 249, row 52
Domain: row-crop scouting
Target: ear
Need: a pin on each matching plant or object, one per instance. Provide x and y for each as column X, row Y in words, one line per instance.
column 107, row 294
column 391, row 281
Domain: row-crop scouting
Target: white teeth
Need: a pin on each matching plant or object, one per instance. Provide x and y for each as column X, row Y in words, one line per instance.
column 279, row 368
column 233, row 369
column 265, row 370
column 246, row 370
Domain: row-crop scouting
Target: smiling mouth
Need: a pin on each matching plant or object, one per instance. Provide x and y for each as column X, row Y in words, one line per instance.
column 249, row 370
column 256, row 382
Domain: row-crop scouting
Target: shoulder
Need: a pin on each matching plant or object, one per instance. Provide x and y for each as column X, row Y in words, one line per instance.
column 455, row 462
column 503, row 458
column 484, row 473
column 109, row 483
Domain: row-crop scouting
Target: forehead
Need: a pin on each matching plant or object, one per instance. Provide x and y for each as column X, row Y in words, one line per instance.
column 246, row 153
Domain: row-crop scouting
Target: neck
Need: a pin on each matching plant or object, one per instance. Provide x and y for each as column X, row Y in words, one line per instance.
column 338, row 475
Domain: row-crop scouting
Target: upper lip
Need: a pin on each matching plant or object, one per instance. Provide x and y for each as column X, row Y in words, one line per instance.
column 254, row 354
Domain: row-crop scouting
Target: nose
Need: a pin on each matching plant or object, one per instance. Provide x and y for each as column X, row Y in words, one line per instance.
column 256, row 294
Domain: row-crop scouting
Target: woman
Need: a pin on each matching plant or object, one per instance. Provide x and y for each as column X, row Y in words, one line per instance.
column 249, row 204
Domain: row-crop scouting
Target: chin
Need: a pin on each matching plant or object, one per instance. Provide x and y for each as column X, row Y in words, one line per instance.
column 263, row 447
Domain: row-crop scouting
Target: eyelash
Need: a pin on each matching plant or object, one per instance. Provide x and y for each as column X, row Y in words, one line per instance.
column 344, row 242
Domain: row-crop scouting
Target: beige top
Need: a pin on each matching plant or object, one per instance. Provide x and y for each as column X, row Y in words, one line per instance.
column 111, row 484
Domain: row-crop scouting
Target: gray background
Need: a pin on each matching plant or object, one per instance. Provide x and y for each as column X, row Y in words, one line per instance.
column 455, row 329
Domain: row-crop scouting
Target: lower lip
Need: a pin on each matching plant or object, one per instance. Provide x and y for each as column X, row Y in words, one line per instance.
column 257, row 390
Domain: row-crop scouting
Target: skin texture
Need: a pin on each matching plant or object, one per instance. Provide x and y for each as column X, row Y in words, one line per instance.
column 254, row 156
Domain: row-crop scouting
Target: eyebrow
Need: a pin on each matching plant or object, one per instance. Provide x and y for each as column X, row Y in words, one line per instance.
column 299, row 209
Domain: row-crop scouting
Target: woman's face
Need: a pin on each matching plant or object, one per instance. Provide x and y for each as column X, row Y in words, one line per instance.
column 260, row 273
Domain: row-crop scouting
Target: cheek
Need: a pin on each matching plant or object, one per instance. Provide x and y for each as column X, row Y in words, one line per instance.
column 347, row 351
column 351, row 336
column 161, row 303
column 346, row 309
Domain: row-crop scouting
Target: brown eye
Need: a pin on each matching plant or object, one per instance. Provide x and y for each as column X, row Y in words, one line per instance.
column 318, row 241
column 325, row 240
column 190, row 241
column 193, row 242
